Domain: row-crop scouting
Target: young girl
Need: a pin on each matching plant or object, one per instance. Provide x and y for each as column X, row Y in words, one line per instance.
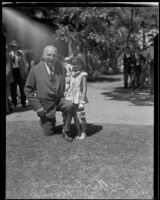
column 77, row 94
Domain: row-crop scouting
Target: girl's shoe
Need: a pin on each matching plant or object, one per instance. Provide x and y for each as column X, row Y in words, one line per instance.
column 82, row 136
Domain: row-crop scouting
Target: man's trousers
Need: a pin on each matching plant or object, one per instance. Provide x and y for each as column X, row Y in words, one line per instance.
column 67, row 109
column 17, row 80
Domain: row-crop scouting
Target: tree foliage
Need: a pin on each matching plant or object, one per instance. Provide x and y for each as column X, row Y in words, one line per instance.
column 104, row 31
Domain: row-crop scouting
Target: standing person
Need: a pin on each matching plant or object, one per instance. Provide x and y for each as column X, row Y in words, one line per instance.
column 9, row 80
column 139, row 62
column 69, row 68
column 145, row 75
column 6, row 64
column 48, row 79
column 128, row 61
column 77, row 95
column 18, row 73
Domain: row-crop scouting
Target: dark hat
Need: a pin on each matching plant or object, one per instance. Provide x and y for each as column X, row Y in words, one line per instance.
column 13, row 43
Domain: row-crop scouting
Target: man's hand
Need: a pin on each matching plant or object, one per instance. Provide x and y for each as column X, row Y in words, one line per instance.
column 41, row 112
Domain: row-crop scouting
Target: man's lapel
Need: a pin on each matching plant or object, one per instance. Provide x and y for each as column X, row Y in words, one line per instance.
column 45, row 76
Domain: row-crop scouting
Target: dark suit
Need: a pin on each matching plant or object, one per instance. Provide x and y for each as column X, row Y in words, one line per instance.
column 139, row 62
column 128, row 69
column 19, row 76
column 49, row 95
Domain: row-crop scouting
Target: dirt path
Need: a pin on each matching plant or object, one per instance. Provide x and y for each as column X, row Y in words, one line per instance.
column 108, row 103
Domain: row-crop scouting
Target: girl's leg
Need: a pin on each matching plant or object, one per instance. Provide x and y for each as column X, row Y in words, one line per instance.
column 76, row 120
column 82, row 118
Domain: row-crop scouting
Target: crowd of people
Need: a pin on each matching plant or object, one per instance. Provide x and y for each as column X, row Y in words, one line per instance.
column 138, row 68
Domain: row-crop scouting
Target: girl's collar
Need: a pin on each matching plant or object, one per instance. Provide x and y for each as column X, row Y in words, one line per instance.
column 75, row 74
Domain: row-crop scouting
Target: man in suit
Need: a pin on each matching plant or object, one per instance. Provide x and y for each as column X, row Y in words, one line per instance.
column 18, row 73
column 128, row 62
column 139, row 62
column 48, row 80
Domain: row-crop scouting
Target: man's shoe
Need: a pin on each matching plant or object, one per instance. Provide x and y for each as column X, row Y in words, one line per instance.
column 69, row 139
column 66, row 137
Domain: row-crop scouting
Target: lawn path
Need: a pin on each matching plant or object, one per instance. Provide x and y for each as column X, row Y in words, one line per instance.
column 106, row 105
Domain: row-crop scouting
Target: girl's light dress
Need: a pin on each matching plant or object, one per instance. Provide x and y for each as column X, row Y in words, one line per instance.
column 74, row 94
column 68, row 68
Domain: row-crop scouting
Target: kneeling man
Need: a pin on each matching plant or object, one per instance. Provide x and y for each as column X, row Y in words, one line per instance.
column 48, row 80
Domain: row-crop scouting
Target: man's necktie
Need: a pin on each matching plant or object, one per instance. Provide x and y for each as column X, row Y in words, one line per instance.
column 52, row 78
column 52, row 75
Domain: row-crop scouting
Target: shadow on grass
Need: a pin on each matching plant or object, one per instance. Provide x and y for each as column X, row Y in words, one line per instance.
column 38, row 168
column 139, row 97
column 91, row 129
column 20, row 109
column 103, row 78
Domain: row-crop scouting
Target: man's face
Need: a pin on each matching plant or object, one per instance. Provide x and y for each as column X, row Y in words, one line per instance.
column 50, row 55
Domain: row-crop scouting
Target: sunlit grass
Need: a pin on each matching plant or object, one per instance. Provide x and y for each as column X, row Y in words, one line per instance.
column 115, row 161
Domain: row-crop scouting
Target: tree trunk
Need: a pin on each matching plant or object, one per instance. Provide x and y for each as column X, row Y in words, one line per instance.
column 130, row 27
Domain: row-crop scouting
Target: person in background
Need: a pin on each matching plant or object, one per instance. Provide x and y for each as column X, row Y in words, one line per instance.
column 48, row 80
column 139, row 62
column 69, row 69
column 77, row 95
column 9, row 80
column 128, row 61
column 145, row 74
column 18, row 73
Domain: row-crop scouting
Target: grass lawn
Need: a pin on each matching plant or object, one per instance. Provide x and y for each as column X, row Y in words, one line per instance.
column 113, row 162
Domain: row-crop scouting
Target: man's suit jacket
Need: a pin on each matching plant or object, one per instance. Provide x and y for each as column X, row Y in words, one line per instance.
column 48, row 92
column 141, row 60
column 21, row 65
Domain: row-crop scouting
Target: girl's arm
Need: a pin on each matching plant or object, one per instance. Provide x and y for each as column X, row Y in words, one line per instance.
column 84, row 86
